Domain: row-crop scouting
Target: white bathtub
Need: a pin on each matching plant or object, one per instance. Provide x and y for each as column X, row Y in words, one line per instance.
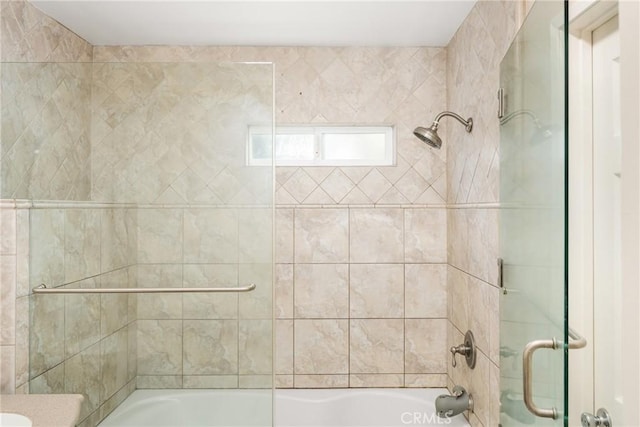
column 293, row 408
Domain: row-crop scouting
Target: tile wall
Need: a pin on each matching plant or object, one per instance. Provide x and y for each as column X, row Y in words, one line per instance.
column 473, row 72
column 171, row 138
column 79, row 344
column 333, row 329
column 361, row 251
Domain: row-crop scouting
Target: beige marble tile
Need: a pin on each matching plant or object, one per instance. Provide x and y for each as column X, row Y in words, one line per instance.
column 22, row 341
column 284, row 235
column 82, row 376
column 411, row 185
column 81, row 248
column 159, row 381
column 300, row 185
column 376, row 380
column 255, row 346
column 480, row 312
column 159, row 306
column 255, row 235
column 321, row 381
column 337, row 185
column 114, row 353
column 257, row 304
column 374, row 185
column 284, row 381
column 425, row 380
column 255, row 381
column 321, row 290
column 160, row 233
column 7, row 299
column 376, row 290
column 114, row 308
column 47, row 247
column 376, row 346
column 321, row 347
column 82, row 319
column 7, row 369
column 159, row 347
column 8, row 232
column 425, row 290
column 50, row 382
column 132, row 353
column 458, row 298
column 210, row 306
column 211, row 235
column 321, row 235
column 483, row 244
column 480, row 386
column 115, row 249
column 47, row 333
column 23, row 279
column 425, row 235
column 284, row 291
column 210, row 381
column 210, row 347
column 376, row 235
column 284, row 347
column 426, row 346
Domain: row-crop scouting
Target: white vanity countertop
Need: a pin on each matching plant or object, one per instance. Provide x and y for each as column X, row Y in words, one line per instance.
column 44, row 410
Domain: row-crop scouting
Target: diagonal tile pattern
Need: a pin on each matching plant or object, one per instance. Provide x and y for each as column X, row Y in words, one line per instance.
column 45, row 131
column 163, row 129
column 341, row 85
column 472, row 178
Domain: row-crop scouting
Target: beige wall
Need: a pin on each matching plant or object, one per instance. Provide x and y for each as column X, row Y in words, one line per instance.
column 45, row 110
column 79, row 344
column 360, row 301
column 380, row 221
column 473, row 73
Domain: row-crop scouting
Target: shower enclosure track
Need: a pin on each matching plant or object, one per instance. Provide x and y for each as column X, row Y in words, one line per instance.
column 42, row 289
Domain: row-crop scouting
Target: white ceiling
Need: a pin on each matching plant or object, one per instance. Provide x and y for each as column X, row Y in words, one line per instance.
column 262, row 22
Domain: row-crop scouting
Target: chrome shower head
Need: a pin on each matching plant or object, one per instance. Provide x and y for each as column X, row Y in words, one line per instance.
column 430, row 135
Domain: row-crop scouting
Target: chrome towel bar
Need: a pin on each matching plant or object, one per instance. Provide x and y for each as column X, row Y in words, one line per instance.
column 42, row 289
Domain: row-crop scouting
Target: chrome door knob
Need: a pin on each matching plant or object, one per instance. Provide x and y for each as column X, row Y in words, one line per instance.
column 600, row 419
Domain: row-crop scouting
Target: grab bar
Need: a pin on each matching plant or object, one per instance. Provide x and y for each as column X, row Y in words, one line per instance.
column 575, row 341
column 42, row 289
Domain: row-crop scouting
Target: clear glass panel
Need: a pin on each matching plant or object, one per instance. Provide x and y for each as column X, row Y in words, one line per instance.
column 532, row 219
column 136, row 176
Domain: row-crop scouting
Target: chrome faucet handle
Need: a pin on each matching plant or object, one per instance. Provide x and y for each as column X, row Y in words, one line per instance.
column 467, row 349
column 460, row 349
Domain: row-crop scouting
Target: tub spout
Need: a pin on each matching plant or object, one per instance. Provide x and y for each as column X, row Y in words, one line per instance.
column 451, row 405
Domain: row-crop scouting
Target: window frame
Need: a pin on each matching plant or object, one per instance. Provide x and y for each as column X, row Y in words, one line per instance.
column 319, row 131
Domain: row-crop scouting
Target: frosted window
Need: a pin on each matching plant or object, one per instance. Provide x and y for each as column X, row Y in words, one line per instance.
column 354, row 146
column 290, row 147
column 323, row 146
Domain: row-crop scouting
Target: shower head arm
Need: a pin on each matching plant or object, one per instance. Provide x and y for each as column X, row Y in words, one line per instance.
column 467, row 123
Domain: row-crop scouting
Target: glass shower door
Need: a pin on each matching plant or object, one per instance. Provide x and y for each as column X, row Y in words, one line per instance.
column 159, row 274
column 532, row 221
